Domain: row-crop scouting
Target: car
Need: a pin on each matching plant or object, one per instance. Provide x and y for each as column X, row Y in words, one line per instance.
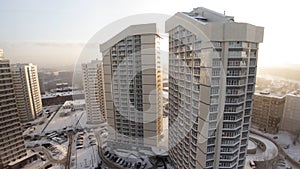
column 106, row 152
column 129, row 165
column 108, row 155
column 115, row 159
column 112, row 157
column 48, row 166
column 93, row 143
column 79, row 138
column 43, row 159
column 79, row 142
column 91, row 136
column 79, row 147
column 125, row 164
column 252, row 164
column 118, row 160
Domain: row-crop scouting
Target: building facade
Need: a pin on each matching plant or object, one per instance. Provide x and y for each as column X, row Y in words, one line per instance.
column 291, row 114
column 12, row 145
column 27, row 91
column 94, row 92
column 133, row 85
column 212, row 72
column 267, row 112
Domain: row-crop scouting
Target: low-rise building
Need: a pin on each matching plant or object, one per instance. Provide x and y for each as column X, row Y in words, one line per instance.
column 291, row 114
column 267, row 111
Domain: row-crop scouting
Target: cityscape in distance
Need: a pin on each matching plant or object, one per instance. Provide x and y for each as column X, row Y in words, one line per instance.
column 149, row 85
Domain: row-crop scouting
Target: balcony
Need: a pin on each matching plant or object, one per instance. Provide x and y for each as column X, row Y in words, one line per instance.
column 237, row 54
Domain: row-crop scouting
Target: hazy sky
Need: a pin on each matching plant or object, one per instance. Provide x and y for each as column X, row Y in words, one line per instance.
column 52, row 32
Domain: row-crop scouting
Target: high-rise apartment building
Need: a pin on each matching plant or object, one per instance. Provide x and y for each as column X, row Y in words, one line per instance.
column 27, row 91
column 212, row 72
column 291, row 114
column 94, row 91
column 267, row 111
column 133, row 85
column 12, row 145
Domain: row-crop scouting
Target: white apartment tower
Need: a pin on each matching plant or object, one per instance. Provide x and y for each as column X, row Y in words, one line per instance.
column 212, row 72
column 12, row 145
column 27, row 91
column 94, row 92
column 133, row 86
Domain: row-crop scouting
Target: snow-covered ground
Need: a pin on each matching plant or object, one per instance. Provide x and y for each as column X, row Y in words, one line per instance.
column 285, row 139
column 59, row 122
column 35, row 164
column 86, row 157
column 270, row 153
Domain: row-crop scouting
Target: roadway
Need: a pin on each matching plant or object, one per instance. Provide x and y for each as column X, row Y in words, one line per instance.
column 69, row 153
column 48, row 156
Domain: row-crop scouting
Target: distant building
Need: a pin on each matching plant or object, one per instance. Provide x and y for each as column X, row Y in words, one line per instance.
column 291, row 114
column 212, row 71
column 41, row 83
column 267, row 111
column 133, row 86
column 61, row 97
column 12, row 145
column 66, row 76
column 27, row 90
column 94, row 92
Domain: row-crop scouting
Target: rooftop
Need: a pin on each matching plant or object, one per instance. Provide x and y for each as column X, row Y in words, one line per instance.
column 204, row 15
column 130, row 31
column 295, row 93
column 269, row 94
column 53, row 95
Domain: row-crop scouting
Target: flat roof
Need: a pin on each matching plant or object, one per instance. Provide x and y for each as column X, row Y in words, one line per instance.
column 53, row 95
column 295, row 93
column 268, row 94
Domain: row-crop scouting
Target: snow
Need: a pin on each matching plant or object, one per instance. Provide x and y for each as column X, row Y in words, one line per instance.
column 35, row 164
column 62, row 151
column 87, row 156
column 286, row 139
column 53, row 95
column 271, row 151
column 251, row 145
column 62, row 120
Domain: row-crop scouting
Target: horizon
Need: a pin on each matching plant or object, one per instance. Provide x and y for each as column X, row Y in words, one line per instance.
column 43, row 33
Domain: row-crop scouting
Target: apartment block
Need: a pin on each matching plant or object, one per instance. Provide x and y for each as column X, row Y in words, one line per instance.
column 94, row 92
column 12, row 145
column 291, row 114
column 133, row 86
column 267, row 111
column 212, row 72
column 27, row 91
